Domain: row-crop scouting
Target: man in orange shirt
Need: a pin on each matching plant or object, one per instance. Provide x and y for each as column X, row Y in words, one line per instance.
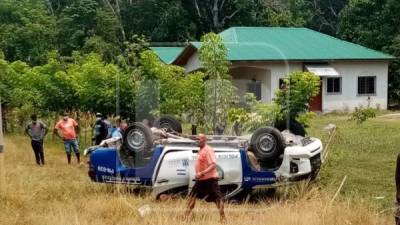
column 67, row 129
column 206, row 186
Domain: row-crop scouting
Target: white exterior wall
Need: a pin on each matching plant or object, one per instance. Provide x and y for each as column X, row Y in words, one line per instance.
column 279, row 71
column 241, row 76
column 273, row 72
column 348, row 99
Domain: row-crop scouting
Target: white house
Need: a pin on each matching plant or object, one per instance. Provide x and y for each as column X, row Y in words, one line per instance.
column 351, row 75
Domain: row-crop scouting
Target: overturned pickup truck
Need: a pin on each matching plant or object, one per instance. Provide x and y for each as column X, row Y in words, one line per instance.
column 163, row 159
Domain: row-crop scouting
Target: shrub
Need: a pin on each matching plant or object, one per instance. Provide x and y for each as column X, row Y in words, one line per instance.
column 360, row 115
column 305, row 118
column 299, row 89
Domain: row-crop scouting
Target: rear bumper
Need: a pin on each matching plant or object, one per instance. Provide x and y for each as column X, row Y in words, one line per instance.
column 300, row 162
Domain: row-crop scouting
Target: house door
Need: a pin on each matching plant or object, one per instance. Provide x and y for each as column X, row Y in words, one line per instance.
column 316, row 102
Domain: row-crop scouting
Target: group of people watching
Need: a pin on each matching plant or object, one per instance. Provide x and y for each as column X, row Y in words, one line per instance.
column 67, row 129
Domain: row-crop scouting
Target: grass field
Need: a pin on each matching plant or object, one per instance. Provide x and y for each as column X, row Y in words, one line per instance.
column 366, row 153
column 62, row 194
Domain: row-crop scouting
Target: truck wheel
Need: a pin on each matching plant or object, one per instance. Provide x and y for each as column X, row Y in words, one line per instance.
column 138, row 137
column 267, row 144
column 169, row 123
column 294, row 126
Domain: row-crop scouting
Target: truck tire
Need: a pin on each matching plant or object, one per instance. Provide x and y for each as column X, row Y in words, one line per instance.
column 138, row 137
column 267, row 144
column 169, row 123
column 294, row 126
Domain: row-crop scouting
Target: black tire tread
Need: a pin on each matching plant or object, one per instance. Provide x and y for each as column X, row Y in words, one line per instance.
column 171, row 120
column 280, row 144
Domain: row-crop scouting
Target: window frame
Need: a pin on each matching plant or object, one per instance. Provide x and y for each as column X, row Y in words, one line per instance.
column 366, row 94
column 340, row 86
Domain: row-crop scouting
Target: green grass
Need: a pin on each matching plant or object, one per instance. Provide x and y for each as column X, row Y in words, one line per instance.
column 62, row 194
column 366, row 153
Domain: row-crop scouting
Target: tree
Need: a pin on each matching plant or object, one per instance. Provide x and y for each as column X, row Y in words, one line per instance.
column 370, row 23
column 299, row 89
column 286, row 13
column 160, row 20
column 325, row 15
column 26, row 31
column 116, row 11
column 166, row 89
column 219, row 90
column 215, row 15
column 76, row 23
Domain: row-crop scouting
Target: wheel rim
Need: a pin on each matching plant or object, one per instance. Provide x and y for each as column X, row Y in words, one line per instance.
column 136, row 139
column 266, row 143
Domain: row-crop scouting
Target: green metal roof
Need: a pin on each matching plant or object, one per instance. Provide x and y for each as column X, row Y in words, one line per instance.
column 167, row 54
column 279, row 43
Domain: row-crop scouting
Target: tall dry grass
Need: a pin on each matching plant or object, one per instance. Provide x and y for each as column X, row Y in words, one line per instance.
column 61, row 194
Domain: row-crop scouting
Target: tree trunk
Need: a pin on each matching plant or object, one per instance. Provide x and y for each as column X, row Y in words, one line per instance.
column 215, row 15
column 117, row 14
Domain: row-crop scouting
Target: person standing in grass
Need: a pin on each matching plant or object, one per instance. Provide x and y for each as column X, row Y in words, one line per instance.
column 37, row 131
column 100, row 129
column 206, row 186
column 67, row 129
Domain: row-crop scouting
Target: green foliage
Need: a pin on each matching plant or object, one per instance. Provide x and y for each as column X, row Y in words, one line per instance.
column 371, row 23
column 306, row 118
column 213, row 55
column 263, row 115
column 219, row 93
column 299, row 89
column 238, row 115
column 97, row 44
column 26, row 31
column 129, row 61
column 293, row 13
column 360, row 114
column 166, row 89
column 254, row 114
column 76, row 23
column 86, row 84
column 33, row 30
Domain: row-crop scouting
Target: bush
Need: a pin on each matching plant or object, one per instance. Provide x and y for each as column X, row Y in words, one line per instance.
column 360, row 115
column 299, row 89
column 305, row 118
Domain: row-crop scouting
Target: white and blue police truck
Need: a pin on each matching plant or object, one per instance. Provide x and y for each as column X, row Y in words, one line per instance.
column 166, row 164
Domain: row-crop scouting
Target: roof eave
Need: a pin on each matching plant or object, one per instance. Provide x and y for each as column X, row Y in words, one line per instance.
column 313, row 60
column 184, row 56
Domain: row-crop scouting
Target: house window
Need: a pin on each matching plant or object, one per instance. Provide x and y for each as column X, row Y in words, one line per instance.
column 254, row 86
column 366, row 85
column 333, row 85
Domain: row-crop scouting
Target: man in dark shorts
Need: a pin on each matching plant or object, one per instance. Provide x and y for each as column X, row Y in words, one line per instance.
column 100, row 129
column 37, row 130
column 206, row 186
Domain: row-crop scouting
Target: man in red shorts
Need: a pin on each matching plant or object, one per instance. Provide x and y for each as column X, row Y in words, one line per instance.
column 206, row 186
